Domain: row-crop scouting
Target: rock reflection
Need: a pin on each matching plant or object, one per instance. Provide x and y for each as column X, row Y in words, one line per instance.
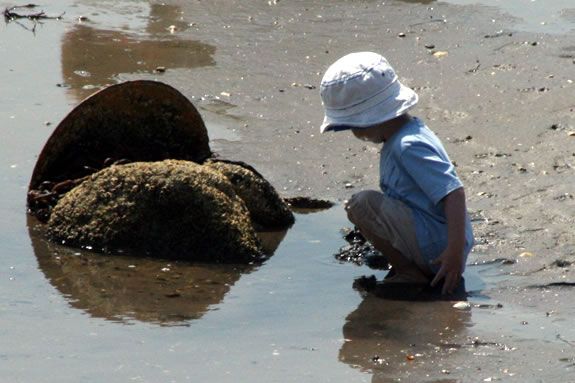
column 393, row 338
column 123, row 288
column 93, row 57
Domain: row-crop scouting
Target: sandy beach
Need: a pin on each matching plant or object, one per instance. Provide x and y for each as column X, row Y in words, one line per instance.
column 498, row 94
column 500, row 100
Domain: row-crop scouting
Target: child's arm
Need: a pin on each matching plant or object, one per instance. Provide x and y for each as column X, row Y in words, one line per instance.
column 451, row 260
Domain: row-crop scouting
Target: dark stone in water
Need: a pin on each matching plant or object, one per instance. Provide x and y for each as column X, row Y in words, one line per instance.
column 360, row 251
column 304, row 205
column 408, row 291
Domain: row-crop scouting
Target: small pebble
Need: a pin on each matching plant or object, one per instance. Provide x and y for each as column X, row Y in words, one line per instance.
column 440, row 54
column 377, row 359
column 160, row 69
column 401, row 34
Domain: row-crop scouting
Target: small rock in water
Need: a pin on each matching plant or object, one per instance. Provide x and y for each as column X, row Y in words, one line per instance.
column 360, row 252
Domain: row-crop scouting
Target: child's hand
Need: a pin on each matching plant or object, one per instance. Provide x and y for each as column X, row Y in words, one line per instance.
column 452, row 259
column 451, row 262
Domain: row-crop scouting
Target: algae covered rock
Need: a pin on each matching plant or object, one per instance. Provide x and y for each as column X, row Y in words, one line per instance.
column 266, row 207
column 169, row 209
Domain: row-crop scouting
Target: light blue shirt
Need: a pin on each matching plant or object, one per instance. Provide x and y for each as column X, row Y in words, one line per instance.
column 415, row 169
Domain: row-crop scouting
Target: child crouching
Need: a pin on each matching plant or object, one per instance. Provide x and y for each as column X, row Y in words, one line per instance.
column 419, row 219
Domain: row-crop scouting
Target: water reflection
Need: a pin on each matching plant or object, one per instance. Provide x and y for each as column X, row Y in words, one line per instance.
column 92, row 56
column 122, row 288
column 387, row 337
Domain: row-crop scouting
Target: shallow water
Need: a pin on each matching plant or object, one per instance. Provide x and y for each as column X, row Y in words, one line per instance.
column 541, row 16
column 84, row 317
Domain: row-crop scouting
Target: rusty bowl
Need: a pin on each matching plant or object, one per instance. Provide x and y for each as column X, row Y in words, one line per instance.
column 133, row 121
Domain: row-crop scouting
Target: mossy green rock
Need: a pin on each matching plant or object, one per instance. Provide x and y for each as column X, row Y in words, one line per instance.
column 167, row 209
column 267, row 209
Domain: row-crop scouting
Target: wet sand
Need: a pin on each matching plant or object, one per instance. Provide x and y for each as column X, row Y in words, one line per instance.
column 501, row 100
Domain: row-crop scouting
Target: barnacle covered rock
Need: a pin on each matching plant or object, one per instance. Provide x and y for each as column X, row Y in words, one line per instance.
column 168, row 209
column 267, row 209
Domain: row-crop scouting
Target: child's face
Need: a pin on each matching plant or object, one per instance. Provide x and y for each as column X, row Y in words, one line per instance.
column 372, row 134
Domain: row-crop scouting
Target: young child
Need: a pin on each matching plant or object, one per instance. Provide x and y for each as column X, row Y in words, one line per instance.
column 419, row 221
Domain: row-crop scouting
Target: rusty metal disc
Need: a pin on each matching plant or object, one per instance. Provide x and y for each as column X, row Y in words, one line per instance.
column 133, row 121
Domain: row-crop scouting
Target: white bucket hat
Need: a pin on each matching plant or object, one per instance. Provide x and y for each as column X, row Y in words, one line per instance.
column 360, row 90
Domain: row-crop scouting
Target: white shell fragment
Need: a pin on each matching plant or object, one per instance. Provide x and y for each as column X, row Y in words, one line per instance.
column 462, row 306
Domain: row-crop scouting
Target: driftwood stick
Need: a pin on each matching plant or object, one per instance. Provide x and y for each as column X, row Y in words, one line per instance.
column 10, row 14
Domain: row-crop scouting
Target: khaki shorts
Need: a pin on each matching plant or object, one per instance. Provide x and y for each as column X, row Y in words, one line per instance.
column 389, row 219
